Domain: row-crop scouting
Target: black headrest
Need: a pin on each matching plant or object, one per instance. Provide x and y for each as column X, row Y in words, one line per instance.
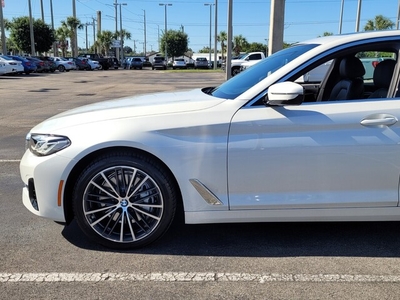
column 351, row 67
column 383, row 73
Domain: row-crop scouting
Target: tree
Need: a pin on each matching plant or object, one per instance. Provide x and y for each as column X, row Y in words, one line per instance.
column 20, row 34
column 126, row 35
column 240, row 44
column 256, row 47
column 73, row 24
column 177, row 42
column 105, row 39
column 62, row 35
column 326, row 33
column 379, row 23
column 206, row 49
column 128, row 49
column 222, row 37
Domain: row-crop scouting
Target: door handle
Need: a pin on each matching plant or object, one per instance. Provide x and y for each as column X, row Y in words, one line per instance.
column 379, row 120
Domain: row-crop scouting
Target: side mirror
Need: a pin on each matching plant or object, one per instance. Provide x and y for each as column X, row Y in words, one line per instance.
column 285, row 93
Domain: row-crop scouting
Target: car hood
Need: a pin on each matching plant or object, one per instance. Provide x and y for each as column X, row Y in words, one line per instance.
column 137, row 106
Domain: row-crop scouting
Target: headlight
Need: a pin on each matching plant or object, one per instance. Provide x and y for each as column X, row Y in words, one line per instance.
column 46, row 144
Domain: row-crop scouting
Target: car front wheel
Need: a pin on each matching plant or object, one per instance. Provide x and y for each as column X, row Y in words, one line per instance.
column 124, row 200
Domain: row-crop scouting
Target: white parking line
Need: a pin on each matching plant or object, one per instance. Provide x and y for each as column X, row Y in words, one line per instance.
column 9, row 160
column 193, row 277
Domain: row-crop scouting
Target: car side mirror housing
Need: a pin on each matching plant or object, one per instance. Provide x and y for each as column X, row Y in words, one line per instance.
column 284, row 93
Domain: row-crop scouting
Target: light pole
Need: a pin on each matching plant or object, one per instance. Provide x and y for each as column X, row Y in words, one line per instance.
column 165, row 28
column 358, row 16
column 3, row 34
column 120, row 26
column 144, row 23
column 210, row 5
column 31, row 29
column 55, row 53
column 215, row 35
column 341, row 17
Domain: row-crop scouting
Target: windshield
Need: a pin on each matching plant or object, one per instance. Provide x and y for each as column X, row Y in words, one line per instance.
column 245, row 80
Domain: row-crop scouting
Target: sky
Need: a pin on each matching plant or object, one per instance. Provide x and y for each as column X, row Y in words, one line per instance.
column 304, row 19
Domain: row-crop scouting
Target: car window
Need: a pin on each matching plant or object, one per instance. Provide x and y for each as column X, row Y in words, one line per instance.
column 351, row 76
column 245, row 80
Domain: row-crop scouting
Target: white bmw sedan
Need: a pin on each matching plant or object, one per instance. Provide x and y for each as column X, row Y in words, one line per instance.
column 269, row 145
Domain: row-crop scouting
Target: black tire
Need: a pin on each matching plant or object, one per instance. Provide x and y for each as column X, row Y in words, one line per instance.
column 61, row 68
column 100, row 67
column 108, row 216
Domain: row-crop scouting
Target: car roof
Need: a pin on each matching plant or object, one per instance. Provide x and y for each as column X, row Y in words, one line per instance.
column 350, row 37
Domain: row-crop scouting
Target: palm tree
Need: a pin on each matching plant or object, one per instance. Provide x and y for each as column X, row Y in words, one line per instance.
column 240, row 43
column 126, row 35
column 105, row 39
column 62, row 35
column 379, row 23
column 73, row 24
column 222, row 37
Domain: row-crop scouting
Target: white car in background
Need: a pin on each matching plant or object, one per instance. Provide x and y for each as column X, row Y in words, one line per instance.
column 94, row 64
column 3, row 68
column 260, row 147
column 12, row 66
column 63, row 64
column 248, row 64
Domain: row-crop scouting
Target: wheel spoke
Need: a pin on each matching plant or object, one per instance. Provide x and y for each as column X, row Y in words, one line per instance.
column 104, row 190
column 109, row 183
column 130, row 225
column 103, row 201
column 131, row 182
column 146, row 213
column 121, row 233
column 140, row 185
column 100, row 209
column 103, row 217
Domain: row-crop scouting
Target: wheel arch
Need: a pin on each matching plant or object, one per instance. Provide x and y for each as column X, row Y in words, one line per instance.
column 80, row 166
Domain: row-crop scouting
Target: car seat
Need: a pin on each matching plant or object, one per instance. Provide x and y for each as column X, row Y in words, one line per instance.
column 351, row 84
column 382, row 77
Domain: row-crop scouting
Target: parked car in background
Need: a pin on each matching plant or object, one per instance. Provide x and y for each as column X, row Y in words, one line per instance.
column 159, row 63
column 12, row 66
column 125, row 62
column 40, row 65
column 201, row 63
column 179, row 63
column 93, row 64
column 105, row 62
column 134, row 63
column 115, row 63
column 29, row 66
column 80, row 63
column 63, row 64
column 50, row 65
column 3, row 68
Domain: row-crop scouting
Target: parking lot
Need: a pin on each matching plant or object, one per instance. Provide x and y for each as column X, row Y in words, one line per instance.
column 44, row 260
